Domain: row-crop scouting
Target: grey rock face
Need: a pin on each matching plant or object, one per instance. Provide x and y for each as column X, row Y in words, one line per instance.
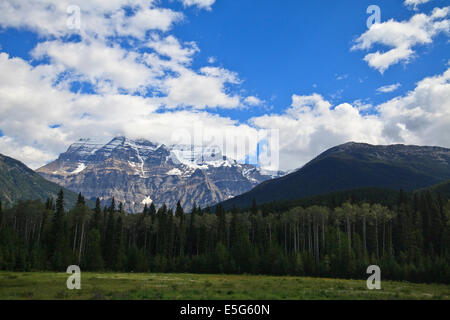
column 139, row 172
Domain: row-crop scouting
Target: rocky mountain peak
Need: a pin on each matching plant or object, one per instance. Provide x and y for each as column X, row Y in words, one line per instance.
column 136, row 170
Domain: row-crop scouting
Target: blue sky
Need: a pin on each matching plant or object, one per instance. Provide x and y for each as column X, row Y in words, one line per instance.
column 283, row 49
column 296, row 66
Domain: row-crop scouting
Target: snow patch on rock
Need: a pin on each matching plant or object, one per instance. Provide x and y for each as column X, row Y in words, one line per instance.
column 147, row 201
column 81, row 167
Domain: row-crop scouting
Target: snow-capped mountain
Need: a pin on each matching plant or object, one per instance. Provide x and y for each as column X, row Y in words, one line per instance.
column 139, row 172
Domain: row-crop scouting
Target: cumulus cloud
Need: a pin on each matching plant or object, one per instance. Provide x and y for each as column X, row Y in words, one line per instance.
column 28, row 99
column 312, row 124
column 415, row 3
column 151, row 63
column 402, row 37
column 98, row 63
column 389, row 88
column 202, row 4
column 253, row 101
column 422, row 116
column 131, row 66
column 201, row 90
column 170, row 47
column 30, row 106
column 98, row 18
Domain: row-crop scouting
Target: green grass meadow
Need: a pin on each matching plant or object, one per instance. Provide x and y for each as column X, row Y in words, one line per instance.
column 118, row 286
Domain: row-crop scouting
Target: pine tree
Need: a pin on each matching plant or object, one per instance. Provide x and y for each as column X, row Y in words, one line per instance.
column 234, row 231
column 179, row 213
column 1, row 215
column 94, row 259
column 221, row 227
column 58, row 234
column 254, row 212
column 97, row 215
column 254, row 207
column 49, row 204
column 118, row 255
column 191, row 239
column 112, row 207
column 152, row 211
column 145, row 212
column 80, row 199
column 108, row 249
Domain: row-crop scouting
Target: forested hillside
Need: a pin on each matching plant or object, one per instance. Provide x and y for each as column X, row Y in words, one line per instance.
column 18, row 182
column 410, row 241
column 355, row 166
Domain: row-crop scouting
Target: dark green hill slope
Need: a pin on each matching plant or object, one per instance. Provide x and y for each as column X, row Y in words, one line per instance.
column 442, row 189
column 18, row 182
column 353, row 166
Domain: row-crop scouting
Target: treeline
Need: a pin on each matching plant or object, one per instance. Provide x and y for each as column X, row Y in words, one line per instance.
column 410, row 241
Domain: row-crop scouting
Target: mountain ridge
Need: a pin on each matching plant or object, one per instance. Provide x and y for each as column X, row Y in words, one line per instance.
column 18, row 182
column 138, row 172
column 355, row 165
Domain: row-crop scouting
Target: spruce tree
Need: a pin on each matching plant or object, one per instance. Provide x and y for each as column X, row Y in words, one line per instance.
column 179, row 211
column 112, row 207
column 118, row 255
column 58, row 234
column 145, row 212
column 80, row 199
column 152, row 211
column 108, row 249
column 221, row 227
column 1, row 216
column 94, row 259
column 97, row 215
column 49, row 204
column 254, row 207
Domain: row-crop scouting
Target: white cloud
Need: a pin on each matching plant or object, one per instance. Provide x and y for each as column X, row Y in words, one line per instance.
column 30, row 105
column 402, row 37
column 415, row 3
column 201, row 90
column 341, row 77
column 170, row 47
column 253, row 101
column 202, row 4
column 98, row 63
column 312, row 124
column 98, row 18
column 151, row 64
column 422, row 116
column 389, row 88
column 29, row 155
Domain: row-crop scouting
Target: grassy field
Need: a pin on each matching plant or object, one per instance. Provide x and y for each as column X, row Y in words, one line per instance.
column 14, row 285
